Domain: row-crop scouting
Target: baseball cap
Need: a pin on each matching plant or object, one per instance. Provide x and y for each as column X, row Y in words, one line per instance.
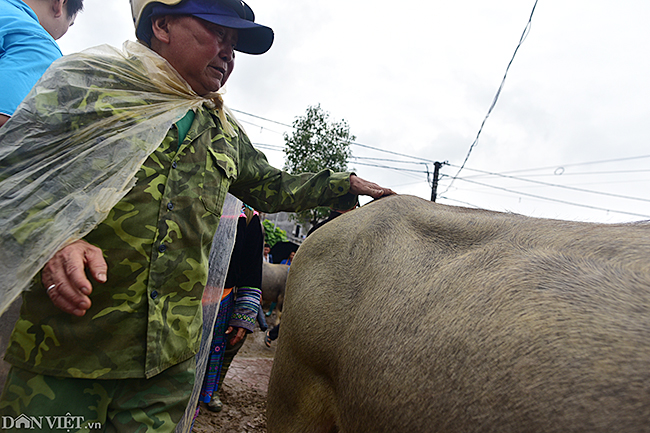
column 253, row 38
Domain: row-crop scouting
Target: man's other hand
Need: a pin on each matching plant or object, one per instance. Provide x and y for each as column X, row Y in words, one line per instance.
column 64, row 276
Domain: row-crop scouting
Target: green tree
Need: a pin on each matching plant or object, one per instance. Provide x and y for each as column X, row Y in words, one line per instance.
column 316, row 144
column 273, row 234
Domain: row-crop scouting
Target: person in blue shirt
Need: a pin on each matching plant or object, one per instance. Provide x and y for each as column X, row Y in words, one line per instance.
column 28, row 30
column 288, row 260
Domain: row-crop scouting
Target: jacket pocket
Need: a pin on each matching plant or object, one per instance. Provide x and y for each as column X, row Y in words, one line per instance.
column 220, row 172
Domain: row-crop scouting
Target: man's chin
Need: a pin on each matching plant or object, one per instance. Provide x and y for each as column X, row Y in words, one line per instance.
column 207, row 92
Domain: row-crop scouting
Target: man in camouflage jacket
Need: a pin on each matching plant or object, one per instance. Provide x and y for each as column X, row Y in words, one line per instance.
column 122, row 352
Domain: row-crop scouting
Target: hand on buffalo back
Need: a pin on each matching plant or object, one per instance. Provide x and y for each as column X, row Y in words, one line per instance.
column 360, row 186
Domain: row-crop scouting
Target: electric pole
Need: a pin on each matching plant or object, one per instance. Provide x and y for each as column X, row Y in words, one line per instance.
column 434, row 186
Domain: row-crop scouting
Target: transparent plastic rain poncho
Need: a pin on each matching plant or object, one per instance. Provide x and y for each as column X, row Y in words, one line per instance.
column 60, row 174
column 222, row 245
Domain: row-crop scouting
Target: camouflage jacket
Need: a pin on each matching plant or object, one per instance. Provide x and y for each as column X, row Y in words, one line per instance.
column 156, row 240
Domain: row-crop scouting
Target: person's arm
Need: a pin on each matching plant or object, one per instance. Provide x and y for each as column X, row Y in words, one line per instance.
column 26, row 56
column 245, row 314
column 269, row 189
column 248, row 280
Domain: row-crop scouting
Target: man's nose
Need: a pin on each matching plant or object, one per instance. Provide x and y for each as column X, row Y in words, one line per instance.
column 227, row 53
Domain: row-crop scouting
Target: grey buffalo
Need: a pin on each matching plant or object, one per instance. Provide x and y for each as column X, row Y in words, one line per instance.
column 407, row 316
column 274, row 280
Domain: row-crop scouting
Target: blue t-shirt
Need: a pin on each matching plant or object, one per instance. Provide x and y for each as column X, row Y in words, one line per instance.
column 26, row 51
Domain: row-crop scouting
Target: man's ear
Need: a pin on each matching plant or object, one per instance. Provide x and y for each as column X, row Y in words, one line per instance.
column 57, row 7
column 160, row 27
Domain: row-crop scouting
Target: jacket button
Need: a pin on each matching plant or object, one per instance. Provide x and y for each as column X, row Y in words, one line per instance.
column 162, row 248
column 174, row 165
column 170, row 205
column 154, row 294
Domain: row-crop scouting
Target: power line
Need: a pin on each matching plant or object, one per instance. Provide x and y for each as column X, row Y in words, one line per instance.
column 496, row 97
column 267, row 147
column 386, row 160
column 554, row 199
column 424, row 161
column 391, row 152
column 276, row 146
column 352, row 142
column 261, row 118
column 431, row 160
column 462, row 202
column 560, row 186
column 591, row 173
column 604, row 161
column 390, row 168
column 365, row 158
column 606, row 182
column 359, row 161
column 405, row 184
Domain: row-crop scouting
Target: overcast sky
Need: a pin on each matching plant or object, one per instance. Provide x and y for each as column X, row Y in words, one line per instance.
column 417, row 79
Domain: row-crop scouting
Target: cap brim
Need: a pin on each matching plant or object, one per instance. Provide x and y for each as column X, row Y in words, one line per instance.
column 253, row 38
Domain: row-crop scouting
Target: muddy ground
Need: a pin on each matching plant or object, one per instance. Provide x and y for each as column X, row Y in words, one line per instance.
column 243, row 391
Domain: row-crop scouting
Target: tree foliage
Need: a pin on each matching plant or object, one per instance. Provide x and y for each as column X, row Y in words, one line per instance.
column 273, row 234
column 316, row 144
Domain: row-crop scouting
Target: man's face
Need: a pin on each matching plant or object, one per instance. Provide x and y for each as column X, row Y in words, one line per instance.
column 267, row 250
column 202, row 52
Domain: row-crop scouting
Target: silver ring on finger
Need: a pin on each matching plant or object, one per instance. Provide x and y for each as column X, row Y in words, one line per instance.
column 50, row 288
